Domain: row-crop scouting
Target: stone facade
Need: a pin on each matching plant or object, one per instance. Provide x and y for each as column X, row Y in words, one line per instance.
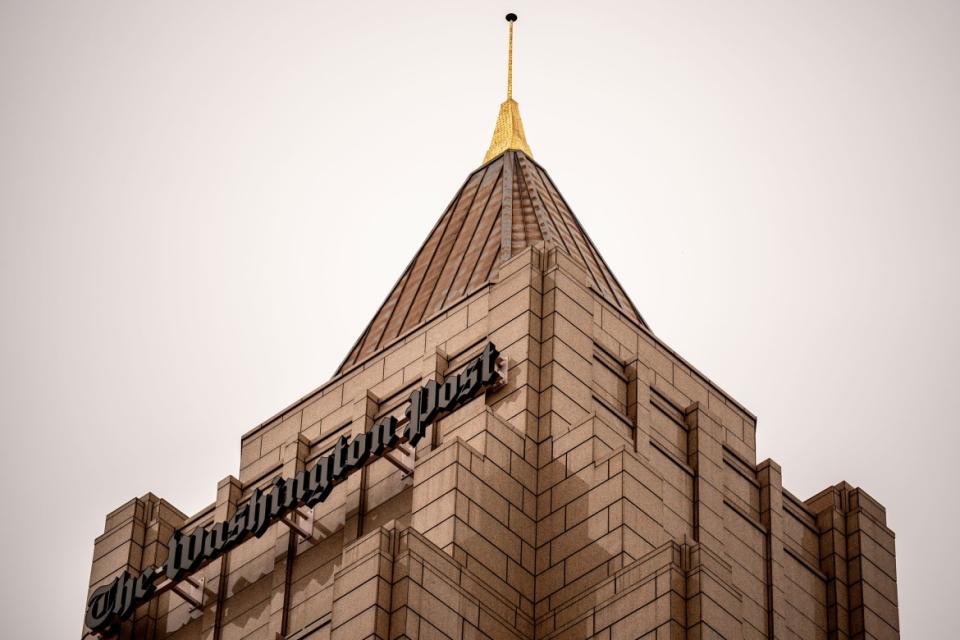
column 608, row 490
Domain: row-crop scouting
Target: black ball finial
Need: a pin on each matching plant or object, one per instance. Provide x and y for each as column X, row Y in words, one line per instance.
column 511, row 17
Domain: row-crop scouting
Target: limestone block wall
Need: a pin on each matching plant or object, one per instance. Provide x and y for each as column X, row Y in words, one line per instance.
column 608, row 490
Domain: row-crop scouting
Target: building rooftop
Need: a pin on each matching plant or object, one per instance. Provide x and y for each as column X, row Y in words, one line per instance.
column 504, row 206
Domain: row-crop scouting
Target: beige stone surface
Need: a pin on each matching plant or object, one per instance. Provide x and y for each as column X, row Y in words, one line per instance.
column 608, row 490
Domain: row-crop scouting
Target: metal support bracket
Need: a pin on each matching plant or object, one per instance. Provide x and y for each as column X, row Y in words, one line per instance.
column 400, row 464
column 303, row 524
column 502, row 367
column 191, row 589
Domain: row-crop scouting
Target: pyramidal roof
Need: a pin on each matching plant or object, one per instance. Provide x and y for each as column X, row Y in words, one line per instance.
column 506, row 205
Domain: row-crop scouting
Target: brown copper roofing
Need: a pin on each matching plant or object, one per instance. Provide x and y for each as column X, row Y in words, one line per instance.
column 503, row 207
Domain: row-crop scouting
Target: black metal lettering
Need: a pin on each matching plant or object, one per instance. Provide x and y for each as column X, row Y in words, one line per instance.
column 488, row 364
column 358, row 451
column 116, row 601
column 184, row 553
column 238, row 526
column 384, row 434
column 339, row 459
column 447, row 395
column 278, row 497
column 146, row 584
column 262, row 506
column 100, row 606
column 124, row 604
column 216, row 540
column 469, row 382
column 412, row 432
column 321, row 479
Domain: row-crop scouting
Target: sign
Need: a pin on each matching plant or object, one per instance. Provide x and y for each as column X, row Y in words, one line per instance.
column 114, row 602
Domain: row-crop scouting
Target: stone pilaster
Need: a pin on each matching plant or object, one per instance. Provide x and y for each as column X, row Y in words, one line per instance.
column 713, row 604
column 771, row 517
column 514, row 326
column 362, row 588
column 705, row 457
column 857, row 556
column 831, row 507
column 567, row 353
column 872, row 569
column 293, row 455
column 134, row 537
column 639, row 379
column 466, row 504
column 365, row 409
column 228, row 494
column 434, row 368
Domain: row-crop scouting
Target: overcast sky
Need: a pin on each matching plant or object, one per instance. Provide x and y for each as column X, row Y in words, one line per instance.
column 202, row 204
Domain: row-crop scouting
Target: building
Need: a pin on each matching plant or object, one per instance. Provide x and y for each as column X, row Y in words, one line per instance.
column 508, row 451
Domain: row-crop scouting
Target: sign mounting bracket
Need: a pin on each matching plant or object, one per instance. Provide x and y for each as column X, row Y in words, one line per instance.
column 302, row 522
column 192, row 590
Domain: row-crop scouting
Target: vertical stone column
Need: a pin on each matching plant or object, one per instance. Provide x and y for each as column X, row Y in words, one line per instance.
column 134, row 537
column 362, row 588
column 599, row 504
column 293, row 455
column 228, row 493
column 639, row 377
column 162, row 520
column 705, row 457
column 364, row 411
column 120, row 548
column 567, row 352
column 565, row 439
column 514, row 326
column 771, row 516
column 831, row 509
column 474, row 496
column 713, row 604
column 872, row 568
column 857, row 553
column 506, row 515
column 434, row 368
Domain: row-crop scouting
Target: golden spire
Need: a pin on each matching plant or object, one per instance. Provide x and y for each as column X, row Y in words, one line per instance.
column 508, row 134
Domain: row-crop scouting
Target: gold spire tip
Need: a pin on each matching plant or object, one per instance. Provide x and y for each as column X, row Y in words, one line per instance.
column 511, row 18
column 508, row 133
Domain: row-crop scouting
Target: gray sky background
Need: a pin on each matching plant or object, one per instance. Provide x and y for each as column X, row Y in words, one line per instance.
column 184, row 186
